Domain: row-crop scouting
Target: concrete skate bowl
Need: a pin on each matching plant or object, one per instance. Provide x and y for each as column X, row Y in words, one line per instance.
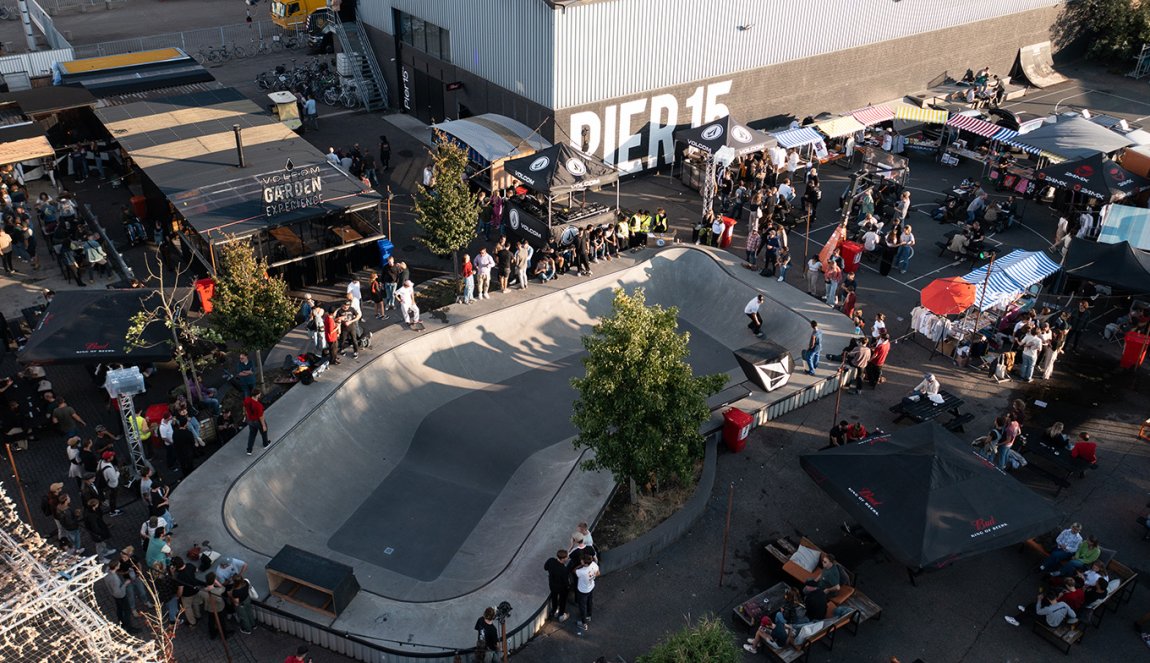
column 429, row 467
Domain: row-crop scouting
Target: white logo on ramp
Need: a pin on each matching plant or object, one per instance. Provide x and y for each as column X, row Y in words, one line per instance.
column 540, row 163
column 712, row 132
column 576, row 167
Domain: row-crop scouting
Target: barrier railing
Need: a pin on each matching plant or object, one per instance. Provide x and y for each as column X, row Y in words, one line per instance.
column 244, row 35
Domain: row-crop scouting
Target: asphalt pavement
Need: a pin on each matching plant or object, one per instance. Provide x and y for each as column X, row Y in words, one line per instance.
column 952, row 615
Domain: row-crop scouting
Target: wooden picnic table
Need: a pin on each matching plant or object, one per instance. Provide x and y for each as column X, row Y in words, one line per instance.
column 764, row 603
column 1057, row 464
column 926, row 410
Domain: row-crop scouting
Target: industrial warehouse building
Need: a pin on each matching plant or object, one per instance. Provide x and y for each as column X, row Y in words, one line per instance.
column 616, row 76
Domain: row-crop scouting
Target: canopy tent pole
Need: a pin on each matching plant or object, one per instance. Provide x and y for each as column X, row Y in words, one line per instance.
column 549, row 199
column 985, row 283
column 709, row 185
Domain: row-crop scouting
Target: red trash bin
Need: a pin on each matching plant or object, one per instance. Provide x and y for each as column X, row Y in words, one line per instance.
column 852, row 253
column 728, row 232
column 140, row 207
column 736, row 428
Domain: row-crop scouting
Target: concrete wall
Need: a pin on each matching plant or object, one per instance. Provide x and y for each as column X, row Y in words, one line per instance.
column 836, row 82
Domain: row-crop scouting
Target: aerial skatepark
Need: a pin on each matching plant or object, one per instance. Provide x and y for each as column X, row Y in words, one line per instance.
column 441, row 468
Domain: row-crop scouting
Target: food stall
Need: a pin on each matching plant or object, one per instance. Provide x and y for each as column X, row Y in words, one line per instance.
column 840, row 132
column 909, row 121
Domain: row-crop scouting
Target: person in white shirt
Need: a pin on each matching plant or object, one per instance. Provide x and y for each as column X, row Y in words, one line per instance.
column 1061, row 229
column 1031, row 344
column 870, row 240
column 405, row 295
column 786, row 191
column 928, row 387
column 585, row 576
column 228, row 567
column 814, row 274
column 332, row 156
column 483, row 265
column 1086, row 226
column 792, row 162
column 717, row 228
column 310, row 113
column 752, row 312
column 879, row 325
column 428, row 176
column 584, row 531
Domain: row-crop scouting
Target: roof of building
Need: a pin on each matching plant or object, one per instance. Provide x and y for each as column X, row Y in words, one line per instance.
column 186, row 146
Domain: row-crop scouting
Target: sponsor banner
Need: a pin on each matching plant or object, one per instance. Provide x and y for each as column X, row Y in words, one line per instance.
column 527, row 226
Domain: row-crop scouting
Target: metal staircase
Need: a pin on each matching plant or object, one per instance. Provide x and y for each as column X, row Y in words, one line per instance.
column 369, row 81
column 1142, row 65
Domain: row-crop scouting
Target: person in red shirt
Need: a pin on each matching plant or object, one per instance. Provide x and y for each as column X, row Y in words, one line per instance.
column 1084, row 450
column 1073, row 596
column 300, row 656
column 878, row 360
column 331, row 334
column 254, row 414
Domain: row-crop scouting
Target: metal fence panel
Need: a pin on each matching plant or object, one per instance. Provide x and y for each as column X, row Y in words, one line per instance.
column 191, row 41
column 44, row 22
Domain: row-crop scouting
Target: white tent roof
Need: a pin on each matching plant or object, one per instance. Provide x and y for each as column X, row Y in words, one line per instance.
column 493, row 137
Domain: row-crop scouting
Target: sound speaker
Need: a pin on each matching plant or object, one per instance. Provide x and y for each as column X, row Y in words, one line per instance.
column 767, row 364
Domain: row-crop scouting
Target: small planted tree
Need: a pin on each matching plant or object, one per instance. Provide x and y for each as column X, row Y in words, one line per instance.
column 448, row 212
column 250, row 307
column 640, row 405
column 709, row 640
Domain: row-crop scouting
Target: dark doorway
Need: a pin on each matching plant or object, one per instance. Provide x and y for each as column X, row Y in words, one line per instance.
column 429, row 97
column 464, row 111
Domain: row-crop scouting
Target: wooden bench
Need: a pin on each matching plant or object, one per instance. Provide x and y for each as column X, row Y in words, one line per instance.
column 825, row 635
column 1063, row 636
column 863, row 608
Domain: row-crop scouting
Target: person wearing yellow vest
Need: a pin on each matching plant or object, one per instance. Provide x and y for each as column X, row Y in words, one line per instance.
column 644, row 228
column 660, row 222
column 636, row 228
column 144, row 430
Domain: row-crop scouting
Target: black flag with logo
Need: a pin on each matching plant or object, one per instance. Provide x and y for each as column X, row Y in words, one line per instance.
column 560, row 169
column 1095, row 176
column 724, row 132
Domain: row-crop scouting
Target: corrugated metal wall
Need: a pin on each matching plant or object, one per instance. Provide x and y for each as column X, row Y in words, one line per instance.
column 616, row 48
column 508, row 42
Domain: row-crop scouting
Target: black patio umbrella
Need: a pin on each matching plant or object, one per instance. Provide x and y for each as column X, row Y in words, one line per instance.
column 927, row 498
column 725, row 132
column 1096, row 177
column 560, row 169
column 90, row 326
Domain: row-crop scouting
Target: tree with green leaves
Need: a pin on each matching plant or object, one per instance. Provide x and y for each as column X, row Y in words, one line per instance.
column 709, row 640
column 640, row 405
column 1112, row 30
column 447, row 212
column 250, row 307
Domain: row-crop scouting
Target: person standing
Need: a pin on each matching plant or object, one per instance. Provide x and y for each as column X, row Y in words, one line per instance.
column 7, row 246
column 878, row 359
column 905, row 250
column 97, row 527
column 331, row 336
column 1031, row 344
column 254, row 412
column 311, row 112
column 814, row 348
column 585, row 577
column 752, row 312
column 902, row 207
column 116, row 581
column 245, row 374
column 833, row 278
column 487, row 637
column 468, row 272
column 483, row 266
column 390, row 278
column 108, row 476
column 375, row 291
column 384, row 153
column 859, row 359
column 184, row 443
column 522, row 261
column 1078, row 323
column 188, row 590
column 814, row 267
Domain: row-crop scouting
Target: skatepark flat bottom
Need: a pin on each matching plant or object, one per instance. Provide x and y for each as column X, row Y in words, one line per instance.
column 462, row 456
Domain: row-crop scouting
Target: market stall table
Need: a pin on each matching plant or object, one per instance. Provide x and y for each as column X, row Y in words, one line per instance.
column 926, row 410
column 346, row 234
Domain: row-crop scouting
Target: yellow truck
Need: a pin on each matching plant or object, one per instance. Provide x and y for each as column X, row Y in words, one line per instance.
column 290, row 13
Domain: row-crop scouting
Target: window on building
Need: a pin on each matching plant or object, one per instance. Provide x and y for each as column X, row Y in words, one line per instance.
column 423, row 35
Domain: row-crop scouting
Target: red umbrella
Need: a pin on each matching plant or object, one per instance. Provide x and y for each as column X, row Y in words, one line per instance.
column 947, row 296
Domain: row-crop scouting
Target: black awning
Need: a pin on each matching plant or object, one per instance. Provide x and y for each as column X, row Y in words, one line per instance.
column 560, row 169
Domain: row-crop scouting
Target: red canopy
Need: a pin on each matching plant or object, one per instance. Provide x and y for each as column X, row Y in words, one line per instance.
column 947, row 296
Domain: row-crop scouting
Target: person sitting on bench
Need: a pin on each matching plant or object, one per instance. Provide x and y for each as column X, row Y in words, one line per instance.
column 1054, row 437
column 1084, row 450
column 1088, row 552
column 1066, row 544
column 959, row 242
column 1053, row 610
column 928, row 387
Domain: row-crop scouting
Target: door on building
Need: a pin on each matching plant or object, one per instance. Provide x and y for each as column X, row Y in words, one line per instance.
column 429, row 98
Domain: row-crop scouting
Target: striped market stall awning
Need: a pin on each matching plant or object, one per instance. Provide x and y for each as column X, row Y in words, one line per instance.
column 1014, row 142
column 924, row 115
column 1004, row 134
column 974, row 125
column 1010, row 276
column 840, row 126
column 797, row 137
column 873, row 114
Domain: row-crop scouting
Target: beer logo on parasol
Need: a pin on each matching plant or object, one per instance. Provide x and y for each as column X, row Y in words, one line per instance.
column 742, row 135
column 540, row 163
column 1119, row 176
column 1041, row 175
column 1084, row 171
column 712, row 132
column 576, row 167
column 513, row 218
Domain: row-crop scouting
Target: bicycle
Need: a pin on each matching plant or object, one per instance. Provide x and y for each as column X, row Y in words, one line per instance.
column 349, row 97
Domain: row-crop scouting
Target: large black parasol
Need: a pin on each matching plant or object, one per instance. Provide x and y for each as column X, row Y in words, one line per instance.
column 90, row 326
column 927, row 498
column 1096, row 177
column 725, row 132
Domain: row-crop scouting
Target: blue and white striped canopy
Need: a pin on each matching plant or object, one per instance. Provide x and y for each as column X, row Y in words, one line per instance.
column 1010, row 276
column 1013, row 141
column 1004, row 134
column 797, row 137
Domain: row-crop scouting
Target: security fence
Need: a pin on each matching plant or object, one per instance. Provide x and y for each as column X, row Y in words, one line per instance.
column 246, row 36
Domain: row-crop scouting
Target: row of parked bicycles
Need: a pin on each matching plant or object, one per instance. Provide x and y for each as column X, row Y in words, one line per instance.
column 317, row 77
column 262, row 46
